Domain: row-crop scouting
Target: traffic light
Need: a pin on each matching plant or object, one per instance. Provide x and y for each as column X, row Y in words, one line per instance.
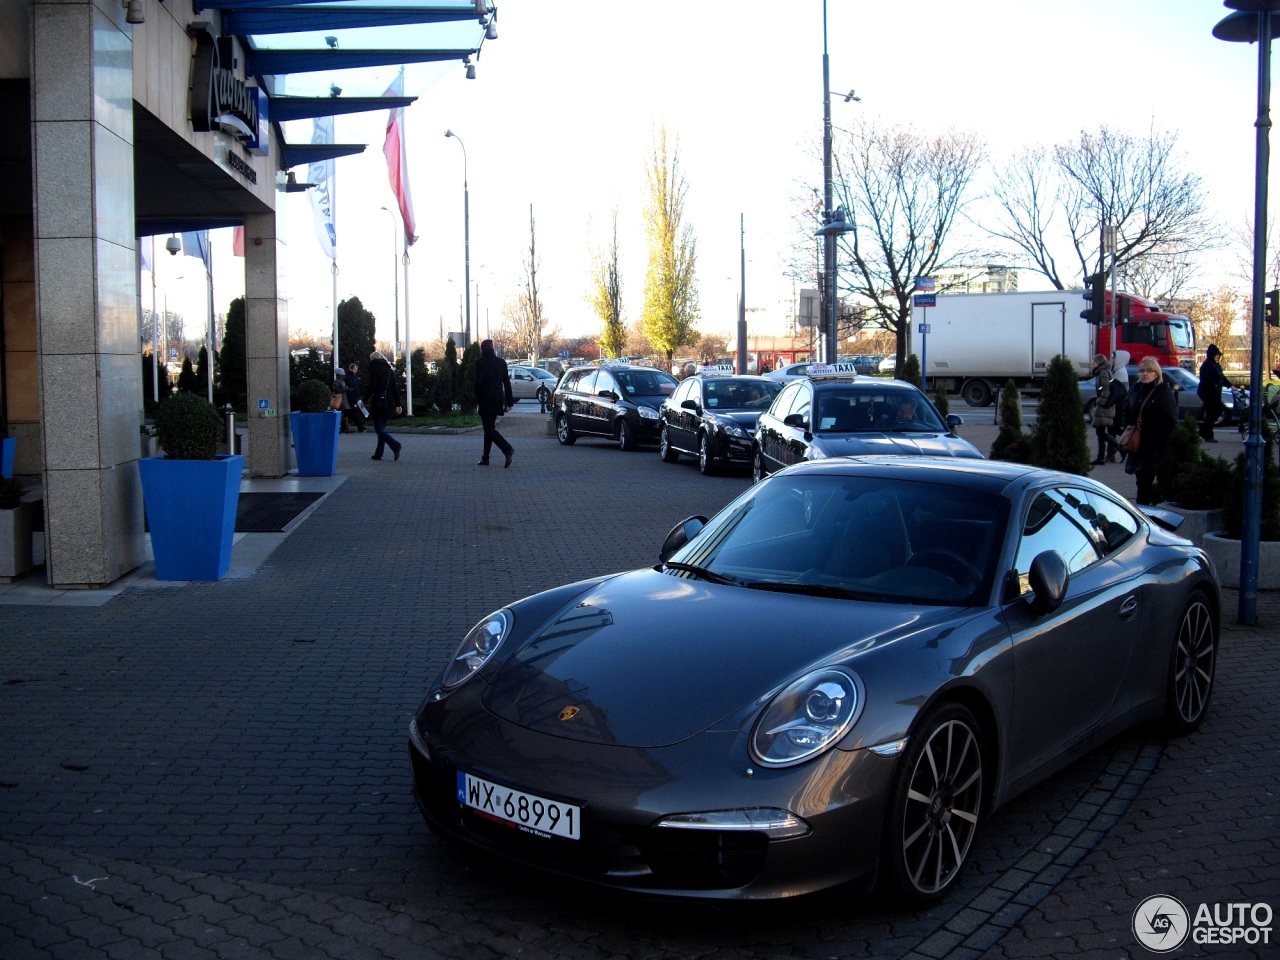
column 1123, row 310
column 1095, row 290
column 1272, row 312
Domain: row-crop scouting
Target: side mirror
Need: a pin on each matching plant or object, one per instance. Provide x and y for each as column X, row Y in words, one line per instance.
column 680, row 534
column 689, row 405
column 1048, row 581
column 954, row 420
column 795, row 420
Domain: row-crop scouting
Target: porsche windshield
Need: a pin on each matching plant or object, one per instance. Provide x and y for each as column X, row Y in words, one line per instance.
column 867, row 537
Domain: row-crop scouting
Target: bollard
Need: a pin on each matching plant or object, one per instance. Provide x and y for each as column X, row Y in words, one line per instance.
column 231, row 431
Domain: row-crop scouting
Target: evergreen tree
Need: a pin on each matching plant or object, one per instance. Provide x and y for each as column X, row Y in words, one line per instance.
column 423, row 381
column 202, row 371
column 232, row 364
column 1060, row 441
column 446, row 377
column 911, row 371
column 187, row 378
column 465, row 391
column 356, row 335
column 941, row 400
column 1011, row 443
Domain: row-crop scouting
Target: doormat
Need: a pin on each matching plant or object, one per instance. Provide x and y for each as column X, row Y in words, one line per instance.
column 271, row 512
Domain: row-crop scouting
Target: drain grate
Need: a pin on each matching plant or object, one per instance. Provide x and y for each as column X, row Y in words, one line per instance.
column 271, row 512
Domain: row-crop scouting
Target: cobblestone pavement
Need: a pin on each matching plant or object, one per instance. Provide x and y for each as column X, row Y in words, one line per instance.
column 218, row 770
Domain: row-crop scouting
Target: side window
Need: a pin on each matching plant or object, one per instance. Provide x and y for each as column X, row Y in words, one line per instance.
column 586, row 382
column 782, row 403
column 684, row 392
column 803, row 401
column 1061, row 521
column 606, row 381
column 1113, row 525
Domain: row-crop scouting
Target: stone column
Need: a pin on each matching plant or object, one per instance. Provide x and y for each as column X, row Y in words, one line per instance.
column 266, row 334
column 86, row 290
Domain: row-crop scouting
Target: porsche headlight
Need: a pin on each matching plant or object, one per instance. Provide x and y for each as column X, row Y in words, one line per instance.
column 806, row 718
column 477, row 647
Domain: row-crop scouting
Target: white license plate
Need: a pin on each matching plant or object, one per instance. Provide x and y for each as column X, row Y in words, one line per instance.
column 524, row 811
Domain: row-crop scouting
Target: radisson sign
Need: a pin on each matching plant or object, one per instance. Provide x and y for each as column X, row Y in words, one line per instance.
column 219, row 99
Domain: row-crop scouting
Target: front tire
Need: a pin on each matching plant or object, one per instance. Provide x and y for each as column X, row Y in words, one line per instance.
column 758, row 472
column 1192, row 667
column 706, row 462
column 668, row 453
column 626, row 434
column 935, row 805
column 564, row 432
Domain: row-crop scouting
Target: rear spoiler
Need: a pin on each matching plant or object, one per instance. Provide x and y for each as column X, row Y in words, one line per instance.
column 1165, row 518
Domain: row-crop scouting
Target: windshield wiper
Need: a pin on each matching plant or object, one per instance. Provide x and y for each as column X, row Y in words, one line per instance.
column 701, row 573
column 814, row 590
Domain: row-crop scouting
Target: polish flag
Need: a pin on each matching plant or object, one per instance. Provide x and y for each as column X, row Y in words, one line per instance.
column 237, row 242
column 397, row 162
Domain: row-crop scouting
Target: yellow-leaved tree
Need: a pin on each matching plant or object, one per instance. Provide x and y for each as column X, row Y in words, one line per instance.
column 670, row 286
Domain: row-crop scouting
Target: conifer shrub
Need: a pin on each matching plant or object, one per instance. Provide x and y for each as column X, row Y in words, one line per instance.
column 188, row 427
column 1011, row 442
column 314, row 396
column 1060, row 441
column 911, row 371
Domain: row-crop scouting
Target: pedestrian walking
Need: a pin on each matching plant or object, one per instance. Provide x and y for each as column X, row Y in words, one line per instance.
column 338, row 399
column 354, row 401
column 1110, row 395
column 493, row 395
column 1153, row 410
column 383, row 401
column 1209, row 391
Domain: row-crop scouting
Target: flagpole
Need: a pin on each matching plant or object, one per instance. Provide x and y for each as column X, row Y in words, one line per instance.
column 408, row 341
column 333, row 263
column 155, row 330
column 208, row 360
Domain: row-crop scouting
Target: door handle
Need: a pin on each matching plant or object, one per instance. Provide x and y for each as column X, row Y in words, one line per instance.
column 1128, row 607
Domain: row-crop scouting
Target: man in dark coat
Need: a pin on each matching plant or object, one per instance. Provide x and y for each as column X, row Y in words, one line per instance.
column 1210, row 392
column 493, row 396
column 383, row 401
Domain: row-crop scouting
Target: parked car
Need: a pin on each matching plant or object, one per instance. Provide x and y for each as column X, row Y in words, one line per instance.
column 613, row 401
column 791, row 371
column 531, row 383
column 888, row 365
column 839, row 677
column 1184, row 384
column 814, row 418
column 713, row 417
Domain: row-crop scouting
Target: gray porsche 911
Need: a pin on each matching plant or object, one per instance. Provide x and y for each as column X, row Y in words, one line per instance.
column 833, row 681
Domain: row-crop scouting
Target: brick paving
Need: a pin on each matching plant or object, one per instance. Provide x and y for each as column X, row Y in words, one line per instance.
column 219, row 770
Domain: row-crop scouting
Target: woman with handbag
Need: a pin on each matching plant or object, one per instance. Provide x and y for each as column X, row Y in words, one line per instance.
column 383, row 400
column 1153, row 414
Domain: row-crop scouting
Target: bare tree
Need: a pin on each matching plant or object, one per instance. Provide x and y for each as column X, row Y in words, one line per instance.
column 902, row 191
column 1134, row 184
column 670, row 286
column 525, row 325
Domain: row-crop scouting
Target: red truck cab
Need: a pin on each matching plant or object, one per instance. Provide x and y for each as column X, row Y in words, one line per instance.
column 1149, row 331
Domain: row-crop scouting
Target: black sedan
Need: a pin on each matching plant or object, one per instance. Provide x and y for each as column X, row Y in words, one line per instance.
column 713, row 418
column 821, row 416
column 837, row 678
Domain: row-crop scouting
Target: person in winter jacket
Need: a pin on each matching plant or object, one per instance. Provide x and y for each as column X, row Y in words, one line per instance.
column 383, row 401
column 493, row 395
column 1154, row 410
column 1212, row 381
column 1111, row 392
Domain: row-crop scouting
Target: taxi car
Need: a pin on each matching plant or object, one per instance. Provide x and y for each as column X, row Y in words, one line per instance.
column 712, row 416
column 615, row 401
column 832, row 412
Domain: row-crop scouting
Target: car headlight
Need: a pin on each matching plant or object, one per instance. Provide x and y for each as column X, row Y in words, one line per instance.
column 730, row 427
column 477, row 647
column 647, row 413
column 806, row 718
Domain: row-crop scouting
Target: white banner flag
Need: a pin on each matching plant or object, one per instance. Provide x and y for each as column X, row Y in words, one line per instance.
column 321, row 174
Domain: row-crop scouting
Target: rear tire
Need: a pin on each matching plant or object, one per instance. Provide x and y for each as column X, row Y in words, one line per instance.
column 1192, row 667
column 564, row 432
column 668, row 453
column 936, row 805
column 757, row 468
column 976, row 393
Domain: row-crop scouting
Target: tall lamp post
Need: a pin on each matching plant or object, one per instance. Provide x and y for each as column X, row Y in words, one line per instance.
column 466, row 240
column 395, row 277
column 828, row 238
column 1254, row 22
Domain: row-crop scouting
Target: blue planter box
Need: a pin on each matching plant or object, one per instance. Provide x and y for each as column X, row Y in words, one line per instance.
column 6, row 456
column 315, row 442
column 191, row 510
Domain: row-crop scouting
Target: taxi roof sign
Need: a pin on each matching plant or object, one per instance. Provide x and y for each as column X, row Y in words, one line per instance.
column 832, row 371
column 715, row 370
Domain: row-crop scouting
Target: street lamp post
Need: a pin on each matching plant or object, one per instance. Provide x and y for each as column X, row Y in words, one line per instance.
column 828, row 238
column 1254, row 23
column 395, row 278
column 466, row 240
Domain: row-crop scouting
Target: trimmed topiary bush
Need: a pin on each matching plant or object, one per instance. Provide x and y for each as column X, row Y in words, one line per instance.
column 188, row 427
column 1203, row 485
column 911, row 371
column 942, row 401
column 314, row 396
column 1060, row 441
column 1011, row 443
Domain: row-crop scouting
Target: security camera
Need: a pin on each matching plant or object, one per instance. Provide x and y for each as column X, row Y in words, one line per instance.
column 174, row 246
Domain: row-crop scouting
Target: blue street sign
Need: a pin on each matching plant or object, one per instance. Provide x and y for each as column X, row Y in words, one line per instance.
column 924, row 283
column 925, row 299
column 264, row 403
column 922, row 328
